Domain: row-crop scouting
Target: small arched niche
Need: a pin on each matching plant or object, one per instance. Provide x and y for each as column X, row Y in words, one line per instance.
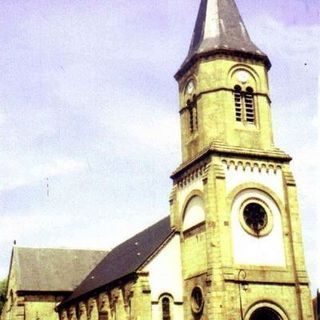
column 193, row 213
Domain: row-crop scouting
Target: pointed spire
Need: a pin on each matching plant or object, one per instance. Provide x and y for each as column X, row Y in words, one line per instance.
column 219, row 29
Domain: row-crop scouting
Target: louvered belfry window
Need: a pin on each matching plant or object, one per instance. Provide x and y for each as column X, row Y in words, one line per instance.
column 193, row 115
column 248, row 98
column 244, row 105
column 238, row 103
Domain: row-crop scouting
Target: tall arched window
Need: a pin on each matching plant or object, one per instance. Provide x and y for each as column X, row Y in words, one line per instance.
column 193, row 115
column 238, row 103
column 244, row 105
column 248, row 98
column 165, row 305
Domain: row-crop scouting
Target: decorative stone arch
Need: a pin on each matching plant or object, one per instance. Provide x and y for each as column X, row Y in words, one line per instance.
column 256, row 83
column 270, row 309
column 165, row 294
column 245, row 84
column 260, row 187
column 195, row 194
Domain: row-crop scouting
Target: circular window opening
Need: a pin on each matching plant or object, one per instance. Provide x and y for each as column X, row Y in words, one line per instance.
column 197, row 300
column 256, row 218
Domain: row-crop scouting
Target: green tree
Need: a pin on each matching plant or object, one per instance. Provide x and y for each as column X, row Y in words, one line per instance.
column 3, row 289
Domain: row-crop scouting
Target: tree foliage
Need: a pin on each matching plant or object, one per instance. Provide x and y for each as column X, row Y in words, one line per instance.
column 3, row 289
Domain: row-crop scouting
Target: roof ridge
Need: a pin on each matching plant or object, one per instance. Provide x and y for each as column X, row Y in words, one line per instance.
column 61, row 248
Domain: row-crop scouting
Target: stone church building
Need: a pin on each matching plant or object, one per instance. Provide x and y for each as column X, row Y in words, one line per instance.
column 231, row 247
column 39, row 279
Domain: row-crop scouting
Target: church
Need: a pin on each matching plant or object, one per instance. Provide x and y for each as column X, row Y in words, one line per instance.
column 231, row 247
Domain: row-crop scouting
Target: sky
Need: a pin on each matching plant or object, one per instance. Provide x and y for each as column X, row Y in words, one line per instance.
column 89, row 123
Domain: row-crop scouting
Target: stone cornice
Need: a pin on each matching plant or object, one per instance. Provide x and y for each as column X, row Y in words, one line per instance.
column 221, row 53
column 220, row 149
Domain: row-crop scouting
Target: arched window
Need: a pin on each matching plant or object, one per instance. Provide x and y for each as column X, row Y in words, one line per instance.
column 191, row 123
column 165, row 306
column 194, row 213
column 248, row 98
column 238, row 103
column 265, row 314
column 244, row 105
column 193, row 115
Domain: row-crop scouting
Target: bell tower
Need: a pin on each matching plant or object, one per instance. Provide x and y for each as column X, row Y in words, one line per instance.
column 234, row 198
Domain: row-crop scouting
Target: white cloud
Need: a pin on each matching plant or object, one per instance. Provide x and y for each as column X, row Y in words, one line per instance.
column 18, row 172
column 57, row 167
column 27, row 223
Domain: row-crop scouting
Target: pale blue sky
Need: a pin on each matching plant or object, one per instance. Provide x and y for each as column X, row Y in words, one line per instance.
column 88, row 104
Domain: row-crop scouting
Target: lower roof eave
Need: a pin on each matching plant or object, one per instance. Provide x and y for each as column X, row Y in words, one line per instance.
column 43, row 292
column 69, row 302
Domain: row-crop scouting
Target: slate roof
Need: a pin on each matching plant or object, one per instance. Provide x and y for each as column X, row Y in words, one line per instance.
column 124, row 259
column 220, row 28
column 53, row 270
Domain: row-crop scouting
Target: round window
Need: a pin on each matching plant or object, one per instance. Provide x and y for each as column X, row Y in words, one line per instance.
column 256, row 218
column 197, row 300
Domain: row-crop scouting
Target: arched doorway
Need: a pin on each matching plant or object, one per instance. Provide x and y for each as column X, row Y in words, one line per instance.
column 265, row 313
